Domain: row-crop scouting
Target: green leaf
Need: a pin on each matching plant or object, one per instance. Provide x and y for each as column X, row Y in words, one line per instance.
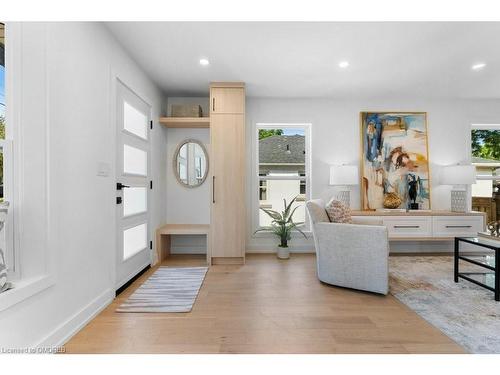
column 263, row 229
column 287, row 208
column 273, row 214
column 290, row 219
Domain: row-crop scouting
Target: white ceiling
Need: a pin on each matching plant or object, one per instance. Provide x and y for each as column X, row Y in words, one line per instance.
column 300, row 59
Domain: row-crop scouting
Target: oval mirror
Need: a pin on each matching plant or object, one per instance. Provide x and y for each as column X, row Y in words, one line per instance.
column 191, row 163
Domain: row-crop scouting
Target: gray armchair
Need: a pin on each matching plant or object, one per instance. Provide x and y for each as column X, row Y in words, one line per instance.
column 350, row 255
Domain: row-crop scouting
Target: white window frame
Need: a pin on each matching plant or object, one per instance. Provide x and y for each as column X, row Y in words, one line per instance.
column 256, row 178
column 481, row 177
column 7, row 240
column 43, row 277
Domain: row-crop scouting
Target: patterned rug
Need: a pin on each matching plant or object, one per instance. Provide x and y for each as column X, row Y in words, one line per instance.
column 167, row 290
column 465, row 312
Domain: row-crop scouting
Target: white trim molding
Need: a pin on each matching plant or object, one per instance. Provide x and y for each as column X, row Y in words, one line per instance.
column 65, row 331
column 25, row 289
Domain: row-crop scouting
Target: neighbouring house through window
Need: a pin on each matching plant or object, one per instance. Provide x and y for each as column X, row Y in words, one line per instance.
column 283, row 168
column 6, row 234
column 485, row 149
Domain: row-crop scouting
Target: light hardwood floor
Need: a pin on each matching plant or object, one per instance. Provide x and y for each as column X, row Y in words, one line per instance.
column 265, row 306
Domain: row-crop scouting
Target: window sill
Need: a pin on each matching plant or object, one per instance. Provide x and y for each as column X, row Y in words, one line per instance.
column 24, row 289
column 269, row 234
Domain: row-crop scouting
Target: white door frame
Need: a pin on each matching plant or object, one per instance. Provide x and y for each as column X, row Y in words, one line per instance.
column 124, row 270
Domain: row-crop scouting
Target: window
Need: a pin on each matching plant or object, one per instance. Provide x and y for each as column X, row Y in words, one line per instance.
column 282, row 169
column 2, row 100
column 485, row 155
column 6, row 233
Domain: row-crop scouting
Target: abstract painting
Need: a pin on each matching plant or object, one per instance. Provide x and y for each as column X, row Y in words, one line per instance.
column 394, row 161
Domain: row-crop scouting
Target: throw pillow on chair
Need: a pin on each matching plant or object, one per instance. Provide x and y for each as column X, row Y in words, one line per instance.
column 338, row 212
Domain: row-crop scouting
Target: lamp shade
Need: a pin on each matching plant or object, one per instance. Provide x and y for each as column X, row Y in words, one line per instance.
column 458, row 175
column 344, row 175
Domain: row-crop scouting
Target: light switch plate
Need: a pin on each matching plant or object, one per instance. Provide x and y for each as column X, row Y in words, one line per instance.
column 103, row 169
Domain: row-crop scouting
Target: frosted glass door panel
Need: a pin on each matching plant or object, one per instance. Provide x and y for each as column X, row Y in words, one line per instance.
column 135, row 121
column 134, row 240
column 135, row 161
column 134, row 200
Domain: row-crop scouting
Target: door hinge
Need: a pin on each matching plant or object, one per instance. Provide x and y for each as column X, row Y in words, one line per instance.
column 151, row 245
column 151, row 184
column 151, row 124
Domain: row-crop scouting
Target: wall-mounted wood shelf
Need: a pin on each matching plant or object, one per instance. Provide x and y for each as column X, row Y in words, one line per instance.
column 185, row 122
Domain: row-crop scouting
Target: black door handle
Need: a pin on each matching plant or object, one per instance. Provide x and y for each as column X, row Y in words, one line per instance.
column 120, row 186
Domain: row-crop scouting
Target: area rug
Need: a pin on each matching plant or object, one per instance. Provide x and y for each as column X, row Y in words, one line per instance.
column 465, row 312
column 167, row 290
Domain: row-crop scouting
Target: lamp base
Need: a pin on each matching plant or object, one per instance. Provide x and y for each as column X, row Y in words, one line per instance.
column 344, row 196
column 458, row 201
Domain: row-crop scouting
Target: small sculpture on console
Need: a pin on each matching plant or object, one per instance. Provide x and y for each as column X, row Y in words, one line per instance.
column 413, row 185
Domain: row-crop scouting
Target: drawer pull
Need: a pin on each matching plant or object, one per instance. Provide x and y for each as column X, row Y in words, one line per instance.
column 459, row 226
column 407, row 226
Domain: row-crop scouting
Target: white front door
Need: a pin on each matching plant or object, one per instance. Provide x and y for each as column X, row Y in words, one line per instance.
column 133, row 116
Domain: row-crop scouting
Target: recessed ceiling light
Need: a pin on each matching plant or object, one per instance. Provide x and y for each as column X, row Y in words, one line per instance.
column 204, row 62
column 343, row 64
column 478, row 66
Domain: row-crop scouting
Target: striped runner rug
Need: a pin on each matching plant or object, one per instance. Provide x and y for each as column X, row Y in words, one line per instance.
column 167, row 290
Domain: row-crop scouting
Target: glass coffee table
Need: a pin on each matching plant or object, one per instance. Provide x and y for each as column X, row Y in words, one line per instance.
column 490, row 278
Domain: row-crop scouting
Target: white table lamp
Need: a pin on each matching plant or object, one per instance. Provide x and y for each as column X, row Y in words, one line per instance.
column 344, row 175
column 459, row 176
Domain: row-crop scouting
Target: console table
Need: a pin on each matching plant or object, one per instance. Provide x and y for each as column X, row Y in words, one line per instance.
column 428, row 225
column 164, row 232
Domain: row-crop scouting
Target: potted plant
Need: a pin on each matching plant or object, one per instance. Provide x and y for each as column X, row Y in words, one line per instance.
column 282, row 226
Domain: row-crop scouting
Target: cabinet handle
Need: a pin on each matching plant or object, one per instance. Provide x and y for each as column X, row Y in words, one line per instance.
column 213, row 189
column 213, row 104
column 406, row 226
column 459, row 226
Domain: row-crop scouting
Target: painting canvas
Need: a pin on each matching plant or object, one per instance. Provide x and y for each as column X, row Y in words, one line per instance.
column 394, row 162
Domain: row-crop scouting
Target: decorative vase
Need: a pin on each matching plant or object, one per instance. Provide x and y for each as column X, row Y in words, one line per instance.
column 283, row 252
column 392, row 201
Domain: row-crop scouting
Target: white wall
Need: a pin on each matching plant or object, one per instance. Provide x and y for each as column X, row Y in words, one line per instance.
column 67, row 115
column 336, row 140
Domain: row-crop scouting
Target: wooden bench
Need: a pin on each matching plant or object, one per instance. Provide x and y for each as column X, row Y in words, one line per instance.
column 164, row 232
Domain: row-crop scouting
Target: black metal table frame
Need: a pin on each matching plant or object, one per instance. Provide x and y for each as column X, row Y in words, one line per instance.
column 463, row 275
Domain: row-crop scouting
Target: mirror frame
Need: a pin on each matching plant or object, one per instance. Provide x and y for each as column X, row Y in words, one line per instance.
column 174, row 162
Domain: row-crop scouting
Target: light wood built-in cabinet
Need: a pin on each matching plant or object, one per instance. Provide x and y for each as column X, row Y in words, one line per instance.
column 227, row 169
column 227, row 99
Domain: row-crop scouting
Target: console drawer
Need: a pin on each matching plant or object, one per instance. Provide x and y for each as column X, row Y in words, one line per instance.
column 456, row 226
column 398, row 227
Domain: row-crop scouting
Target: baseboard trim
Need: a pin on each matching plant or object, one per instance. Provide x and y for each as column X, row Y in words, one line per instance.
column 228, row 260
column 65, row 331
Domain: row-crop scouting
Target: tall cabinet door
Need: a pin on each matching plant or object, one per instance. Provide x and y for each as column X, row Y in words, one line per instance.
column 227, row 136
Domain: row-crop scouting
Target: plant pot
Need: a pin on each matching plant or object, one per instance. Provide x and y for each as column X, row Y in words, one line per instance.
column 283, row 252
